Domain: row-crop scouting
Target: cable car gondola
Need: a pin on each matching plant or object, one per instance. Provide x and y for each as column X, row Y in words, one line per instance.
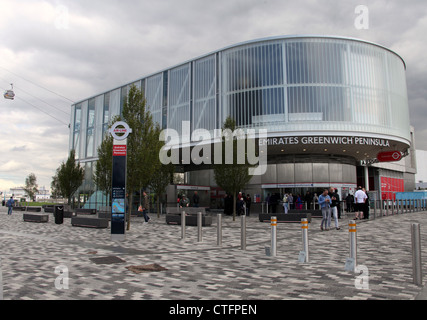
column 9, row 94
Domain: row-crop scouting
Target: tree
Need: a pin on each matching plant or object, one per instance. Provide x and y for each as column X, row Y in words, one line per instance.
column 31, row 186
column 54, row 187
column 102, row 176
column 143, row 145
column 70, row 176
column 160, row 180
column 232, row 177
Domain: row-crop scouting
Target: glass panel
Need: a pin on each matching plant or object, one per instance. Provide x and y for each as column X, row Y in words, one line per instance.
column 77, row 127
column 254, row 89
column 154, row 97
column 106, row 115
column 204, row 111
column 179, row 97
column 90, row 129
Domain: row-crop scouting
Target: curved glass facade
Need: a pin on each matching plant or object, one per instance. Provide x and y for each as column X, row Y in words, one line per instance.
column 287, row 85
column 307, row 84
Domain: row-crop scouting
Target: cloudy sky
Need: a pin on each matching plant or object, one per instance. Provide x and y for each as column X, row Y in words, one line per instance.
column 56, row 52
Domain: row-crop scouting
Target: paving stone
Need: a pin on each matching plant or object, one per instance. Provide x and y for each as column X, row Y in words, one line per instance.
column 204, row 270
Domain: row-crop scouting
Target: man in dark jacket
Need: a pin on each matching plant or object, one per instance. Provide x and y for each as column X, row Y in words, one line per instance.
column 9, row 204
column 196, row 199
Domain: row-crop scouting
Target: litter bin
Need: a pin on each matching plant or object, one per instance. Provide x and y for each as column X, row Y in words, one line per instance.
column 59, row 214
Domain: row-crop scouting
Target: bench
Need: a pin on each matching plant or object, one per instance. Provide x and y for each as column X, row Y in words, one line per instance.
column 85, row 211
column 190, row 220
column 315, row 213
column 288, row 217
column 104, row 212
column 188, row 210
column 48, row 208
column 89, row 222
column 33, row 209
column 34, row 217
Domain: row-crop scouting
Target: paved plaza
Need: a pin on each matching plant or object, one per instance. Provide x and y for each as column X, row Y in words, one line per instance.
column 36, row 257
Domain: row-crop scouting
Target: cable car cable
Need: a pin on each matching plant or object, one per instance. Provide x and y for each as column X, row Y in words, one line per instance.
column 59, row 95
column 19, row 98
column 67, row 113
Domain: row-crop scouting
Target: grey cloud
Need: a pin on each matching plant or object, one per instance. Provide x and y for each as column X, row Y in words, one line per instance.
column 109, row 43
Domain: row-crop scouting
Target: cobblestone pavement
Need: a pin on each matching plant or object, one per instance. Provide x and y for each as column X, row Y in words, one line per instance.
column 34, row 257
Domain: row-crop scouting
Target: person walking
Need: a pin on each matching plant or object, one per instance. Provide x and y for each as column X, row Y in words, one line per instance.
column 324, row 202
column 9, row 204
column 248, row 202
column 366, row 205
column 308, row 199
column 359, row 201
column 315, row 200
column 349, row 202
column 285, row 203
column 290, row 201
column 145, row 207
column 196, row 199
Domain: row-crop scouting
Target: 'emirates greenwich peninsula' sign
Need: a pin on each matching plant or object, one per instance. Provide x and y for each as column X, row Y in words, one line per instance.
column 327, row 140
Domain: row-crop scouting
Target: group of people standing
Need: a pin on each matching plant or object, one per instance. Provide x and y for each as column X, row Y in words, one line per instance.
column 329, row 202
column 243, row 204
column 359, row 203
column 295, row 202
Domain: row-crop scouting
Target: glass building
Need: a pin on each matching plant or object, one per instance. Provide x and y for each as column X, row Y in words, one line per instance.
column 330, row 105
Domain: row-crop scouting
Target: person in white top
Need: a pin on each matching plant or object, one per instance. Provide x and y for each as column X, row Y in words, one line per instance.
column 359, row 200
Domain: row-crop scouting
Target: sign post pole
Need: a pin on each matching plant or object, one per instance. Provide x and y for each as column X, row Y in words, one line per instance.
column 118, row 205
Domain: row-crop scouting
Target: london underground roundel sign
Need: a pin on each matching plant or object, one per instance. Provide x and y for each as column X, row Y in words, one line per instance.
column 389, row 156
column 120, row 130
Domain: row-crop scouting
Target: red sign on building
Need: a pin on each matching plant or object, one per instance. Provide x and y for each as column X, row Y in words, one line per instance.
column 389, row 156
column 389, row 187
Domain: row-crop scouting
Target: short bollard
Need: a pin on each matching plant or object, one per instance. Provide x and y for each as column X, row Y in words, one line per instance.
column 273, row 236
column 1, row 282
column 304, row 257
column 199, row 227
column 351, row 262
column 416, row 254
column 183, row 225
column 243, row 233
column 219, row 230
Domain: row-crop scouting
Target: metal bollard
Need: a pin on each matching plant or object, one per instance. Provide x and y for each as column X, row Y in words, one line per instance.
column 183, row 225
column 219, row 230
column 304, row 228
column 243, row 233
column 273, row 236
column 199, row 227
column 416, row 254
column 1, row 282
column 352, row 261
